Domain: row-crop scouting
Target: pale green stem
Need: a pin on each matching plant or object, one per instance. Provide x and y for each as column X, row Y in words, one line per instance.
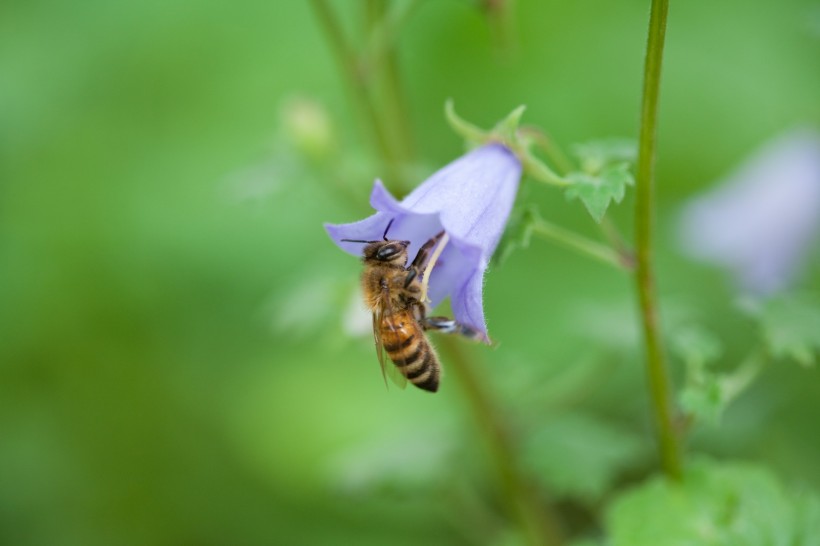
column 735, row 383
column 656, row 365
column 577, row 242
column 553, row 152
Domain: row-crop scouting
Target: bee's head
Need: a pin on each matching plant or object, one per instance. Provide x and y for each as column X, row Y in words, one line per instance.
column 392, row 252
column 385, row 251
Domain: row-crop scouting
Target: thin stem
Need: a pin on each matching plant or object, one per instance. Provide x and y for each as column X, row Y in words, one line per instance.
column 359, row 91
column 539, row 523
column 656, row 366
column 736, row 382
column 616, row 240
column 577, row 242
column 499, row 15
column 382, row 66
column 565, row 166
column 553, row 152
column 539, row 171
column 384, row 36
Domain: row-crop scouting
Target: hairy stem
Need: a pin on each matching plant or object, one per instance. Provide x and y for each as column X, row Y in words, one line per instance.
column 577, row 242
column 537, row 521
column 656, row 366
column 359, row 90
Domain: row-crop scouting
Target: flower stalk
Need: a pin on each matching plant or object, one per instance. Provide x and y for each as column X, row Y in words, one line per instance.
column 585, row 246
column 508, row 134
column 656, row 365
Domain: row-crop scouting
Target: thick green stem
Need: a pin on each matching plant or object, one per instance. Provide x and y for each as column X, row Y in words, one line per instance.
column 359, row 90
column 536, row 519
column 656, row 366
column 577, row 242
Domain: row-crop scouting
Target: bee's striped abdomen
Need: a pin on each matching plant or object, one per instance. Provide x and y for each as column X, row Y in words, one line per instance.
column 408, row 348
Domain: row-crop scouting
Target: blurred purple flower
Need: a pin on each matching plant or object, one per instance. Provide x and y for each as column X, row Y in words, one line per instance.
column 761, row 222
column 471, row 199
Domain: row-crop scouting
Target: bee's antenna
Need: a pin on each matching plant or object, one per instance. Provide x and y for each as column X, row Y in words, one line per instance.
column 357, row 241
column 390, row 223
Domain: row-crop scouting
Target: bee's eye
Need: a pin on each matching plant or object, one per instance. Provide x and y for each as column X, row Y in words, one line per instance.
column 387, row 252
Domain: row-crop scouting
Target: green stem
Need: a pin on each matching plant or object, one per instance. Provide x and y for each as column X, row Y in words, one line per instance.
column 553, row 152
column 538, row 522
column 585, row 246
column 502, row 26
column 616, row 240
column 656, row 366
column 736, row 382
column 539, row 171
column 382, row 65
column 384, row 35
column 564, row 165
column 359, row 90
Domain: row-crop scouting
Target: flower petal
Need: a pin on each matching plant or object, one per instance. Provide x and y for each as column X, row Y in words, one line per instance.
column 467, row 303
column 474, row 195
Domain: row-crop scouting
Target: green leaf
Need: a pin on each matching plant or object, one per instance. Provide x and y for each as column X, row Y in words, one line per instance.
column 791, row 327
column 579, row 456
column 696, row 346
column 704, row 400
column 595, row 155
column 716, row 504
column 597, row 191
column 703, row 396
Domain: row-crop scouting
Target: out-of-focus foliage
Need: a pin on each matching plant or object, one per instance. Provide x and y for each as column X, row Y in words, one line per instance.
column 578, row 456
column 182, row 358
column 791, row 327
column 715, row 505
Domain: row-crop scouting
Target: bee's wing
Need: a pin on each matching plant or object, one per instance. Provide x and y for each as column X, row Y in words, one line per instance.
column 377, row 337
column 384, row 308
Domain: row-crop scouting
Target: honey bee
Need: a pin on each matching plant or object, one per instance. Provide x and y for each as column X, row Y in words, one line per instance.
column 394, row 292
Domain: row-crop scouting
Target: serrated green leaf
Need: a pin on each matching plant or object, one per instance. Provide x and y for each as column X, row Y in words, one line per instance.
column 716, row 504
column 579, row 456
column 791, row 327
column 595, row 155
column 597, row 191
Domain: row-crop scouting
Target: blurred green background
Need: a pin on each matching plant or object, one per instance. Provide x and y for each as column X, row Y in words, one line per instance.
column 176, row 362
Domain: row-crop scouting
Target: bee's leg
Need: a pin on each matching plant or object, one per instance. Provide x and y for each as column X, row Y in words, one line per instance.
column 417, row 266
column 449, row 326
column 419, row 310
